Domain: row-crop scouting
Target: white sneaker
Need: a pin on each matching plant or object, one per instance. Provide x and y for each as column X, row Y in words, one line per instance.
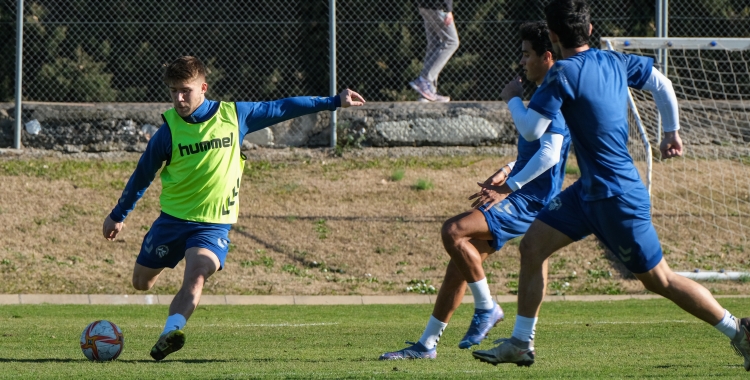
column 506, row 352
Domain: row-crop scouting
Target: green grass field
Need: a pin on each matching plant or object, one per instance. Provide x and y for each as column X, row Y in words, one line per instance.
column 621, row 339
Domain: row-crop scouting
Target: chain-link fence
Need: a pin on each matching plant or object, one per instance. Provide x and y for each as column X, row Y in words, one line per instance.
column 103, row 51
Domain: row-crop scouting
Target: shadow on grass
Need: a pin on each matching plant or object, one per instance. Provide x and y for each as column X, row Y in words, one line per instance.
column 53, row 360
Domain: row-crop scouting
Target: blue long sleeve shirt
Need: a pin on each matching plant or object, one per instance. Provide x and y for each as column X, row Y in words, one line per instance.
column 252, row 116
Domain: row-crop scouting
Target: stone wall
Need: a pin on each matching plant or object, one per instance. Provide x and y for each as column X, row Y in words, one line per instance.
column 127, row 127
column 104, row 127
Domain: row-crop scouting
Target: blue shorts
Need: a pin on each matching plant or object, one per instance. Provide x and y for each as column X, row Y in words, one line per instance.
column 622, row 223
column 166, row 242
column 510, row 218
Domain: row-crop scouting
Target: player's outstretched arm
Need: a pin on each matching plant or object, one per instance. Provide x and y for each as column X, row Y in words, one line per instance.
column 671, row 145
column 666, row 102
column 111, row 228
column 350, row 98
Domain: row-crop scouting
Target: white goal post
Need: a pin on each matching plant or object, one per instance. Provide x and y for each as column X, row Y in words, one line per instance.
column 700, row 201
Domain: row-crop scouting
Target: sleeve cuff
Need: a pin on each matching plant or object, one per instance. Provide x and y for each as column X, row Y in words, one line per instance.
column 336, row 102
column 117, row 214
column 513, row 184
column 514, row 104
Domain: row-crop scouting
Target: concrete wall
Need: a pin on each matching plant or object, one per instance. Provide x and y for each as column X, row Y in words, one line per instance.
column 104, row 127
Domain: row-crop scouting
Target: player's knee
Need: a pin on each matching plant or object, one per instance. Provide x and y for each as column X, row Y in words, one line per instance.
column 531, row 253
column 197, row 274
column 141, row 284
column 453, row 45
column 450, row 232
column 526, row 247
column 657, row 284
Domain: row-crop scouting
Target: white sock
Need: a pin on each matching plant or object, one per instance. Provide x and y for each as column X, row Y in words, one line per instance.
column 524, row 329
column 174, row 322
column 433, row 331
column 727, row 325
column 481, row 292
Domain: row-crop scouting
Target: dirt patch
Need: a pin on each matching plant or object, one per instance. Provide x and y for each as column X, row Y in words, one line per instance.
column 315, row 223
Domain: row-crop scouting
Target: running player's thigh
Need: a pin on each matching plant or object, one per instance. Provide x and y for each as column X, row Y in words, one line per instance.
column 542, row 240
column 145, row 276
column 471, row 224
column 200, row 262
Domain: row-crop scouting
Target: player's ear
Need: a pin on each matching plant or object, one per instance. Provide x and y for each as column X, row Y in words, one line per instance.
column 591, row 28
column 547, row 56
column 204, row 87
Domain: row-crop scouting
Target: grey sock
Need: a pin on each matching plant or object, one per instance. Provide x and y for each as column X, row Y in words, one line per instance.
column 520, row 344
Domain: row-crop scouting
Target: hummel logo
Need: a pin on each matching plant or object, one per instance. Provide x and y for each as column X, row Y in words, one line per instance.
column 624, row 253
column 500, row 207
column 222, row 242
column 204, row 146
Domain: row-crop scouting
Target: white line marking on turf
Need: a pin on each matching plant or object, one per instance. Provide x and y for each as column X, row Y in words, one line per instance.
column 620, row 322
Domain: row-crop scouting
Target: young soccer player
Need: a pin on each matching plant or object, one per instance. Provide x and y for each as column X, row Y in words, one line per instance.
column 589, row 87
column 524, row 187
column 199, row 146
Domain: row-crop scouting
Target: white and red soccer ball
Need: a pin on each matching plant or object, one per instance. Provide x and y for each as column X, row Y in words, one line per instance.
column 102, row 341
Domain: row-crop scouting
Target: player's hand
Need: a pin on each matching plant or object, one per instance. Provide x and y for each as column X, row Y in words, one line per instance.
column 490, row 195
column 448, row 19
column 497, row 179
column 512, row 89
column 111, row 228
column 350, row 98
column 671, row 145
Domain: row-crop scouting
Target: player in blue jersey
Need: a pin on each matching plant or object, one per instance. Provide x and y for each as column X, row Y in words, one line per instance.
column 198, row 152
column 589, row 87
column 523, row 188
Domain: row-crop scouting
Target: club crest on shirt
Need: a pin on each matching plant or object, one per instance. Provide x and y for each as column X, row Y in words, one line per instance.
column 555, row 204
column 162, row 251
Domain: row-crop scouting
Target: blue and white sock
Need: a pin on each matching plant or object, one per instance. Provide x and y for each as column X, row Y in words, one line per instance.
column 481, row 292
column 174, row 322
column 727, row 325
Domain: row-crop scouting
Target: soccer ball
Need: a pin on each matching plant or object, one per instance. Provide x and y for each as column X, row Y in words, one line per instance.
column 102, row 341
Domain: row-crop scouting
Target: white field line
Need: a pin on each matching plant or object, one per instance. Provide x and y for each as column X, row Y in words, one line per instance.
column 621, row 322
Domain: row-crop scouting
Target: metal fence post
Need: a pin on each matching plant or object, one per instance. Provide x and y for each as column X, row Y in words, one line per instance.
column 332, row 55
column 19, row 71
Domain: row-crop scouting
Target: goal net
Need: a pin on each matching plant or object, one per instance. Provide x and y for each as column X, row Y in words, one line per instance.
column 700, row 201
